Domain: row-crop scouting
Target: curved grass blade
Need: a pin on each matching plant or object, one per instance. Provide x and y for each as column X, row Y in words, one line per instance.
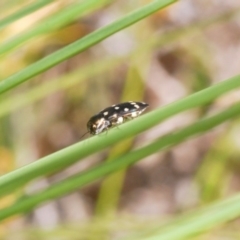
column 49, row 87
column 79, row 180
column 53, row 23
column 81, row 44
column 53, row 85
column 196, row 222
column 72, row 154
column 111, row 186
column 23, row 12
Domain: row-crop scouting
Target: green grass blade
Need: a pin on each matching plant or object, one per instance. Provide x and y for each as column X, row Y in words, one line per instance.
column 111, row 186
column 53, row 23
column 82, row 179
column 57, row 84
column 70, row 155
column 211, row 184
column 81, row 45
column 11, row 103
column 191, row 224
column 23, row 12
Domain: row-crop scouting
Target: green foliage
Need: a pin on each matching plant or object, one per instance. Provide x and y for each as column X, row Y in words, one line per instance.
column 81, row 45
column 53, row 23
column 182, row 227
column 70, row 155
column 80, row 180
column 23, row 12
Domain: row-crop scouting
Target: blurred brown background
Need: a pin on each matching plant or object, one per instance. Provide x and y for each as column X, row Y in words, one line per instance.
column 175, row 52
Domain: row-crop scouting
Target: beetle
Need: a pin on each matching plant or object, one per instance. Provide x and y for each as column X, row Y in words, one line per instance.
column 114, row 115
